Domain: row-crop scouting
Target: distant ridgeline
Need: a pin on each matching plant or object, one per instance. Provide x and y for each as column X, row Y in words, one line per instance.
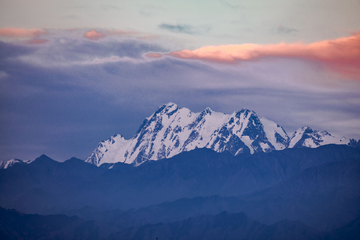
column 171, row 130
column 295, row 193
column 216, row 176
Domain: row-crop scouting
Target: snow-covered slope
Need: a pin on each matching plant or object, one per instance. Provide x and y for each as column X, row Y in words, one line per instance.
column 11, row 162
column 307, row 137
column 108, row 151
column 245, row 132
column 171, row 130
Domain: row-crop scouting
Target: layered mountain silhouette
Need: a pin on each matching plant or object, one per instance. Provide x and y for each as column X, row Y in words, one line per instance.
column 188, row 175
column 225, row 225
column 317, row 186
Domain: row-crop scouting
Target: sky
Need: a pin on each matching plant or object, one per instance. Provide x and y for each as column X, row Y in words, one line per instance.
column 73, row 73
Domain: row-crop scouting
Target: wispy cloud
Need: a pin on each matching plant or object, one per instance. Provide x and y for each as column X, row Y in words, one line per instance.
column 130, row 34
column 3, row 75
column 21, row 32
column 150, row 10
column 70, row 50
column 94, row 35
column 38, row 41
column 285, row 30
column 122, row 32
column 341, row 55
column 122, row 80
column 112, row 59
column 179, row 28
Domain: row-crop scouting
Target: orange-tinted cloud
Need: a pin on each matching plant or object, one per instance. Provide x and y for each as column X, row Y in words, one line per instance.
column 93, row 35
column 154, row 55
column 21, row 32
column 341, row 55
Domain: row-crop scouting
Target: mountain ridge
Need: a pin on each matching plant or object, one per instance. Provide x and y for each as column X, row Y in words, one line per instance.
column 224, row 225
column 44, row 185
column 171, row 130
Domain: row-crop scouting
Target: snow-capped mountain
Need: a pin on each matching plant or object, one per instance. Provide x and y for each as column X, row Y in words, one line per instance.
column 11, row 162
column 307, row 137
column 171, row 130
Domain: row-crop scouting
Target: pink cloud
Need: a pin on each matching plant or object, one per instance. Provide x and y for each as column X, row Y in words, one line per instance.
column 341, row 55
column 21, row 32
column 94, row 35
column 153, row 55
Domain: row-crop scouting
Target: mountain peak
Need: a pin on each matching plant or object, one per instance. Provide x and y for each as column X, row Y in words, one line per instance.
column 307, row 129
column 307, row 137
column 43, row 156
column 207, row 111
column 168, row 109
column 9, row 163
column 171, row 130
column 244, row 112
column 170, row 104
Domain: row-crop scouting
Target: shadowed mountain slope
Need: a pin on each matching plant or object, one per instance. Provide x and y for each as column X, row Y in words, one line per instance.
column 318, row 186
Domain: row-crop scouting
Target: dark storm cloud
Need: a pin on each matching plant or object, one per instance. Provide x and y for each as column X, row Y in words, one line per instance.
column 179, row 28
